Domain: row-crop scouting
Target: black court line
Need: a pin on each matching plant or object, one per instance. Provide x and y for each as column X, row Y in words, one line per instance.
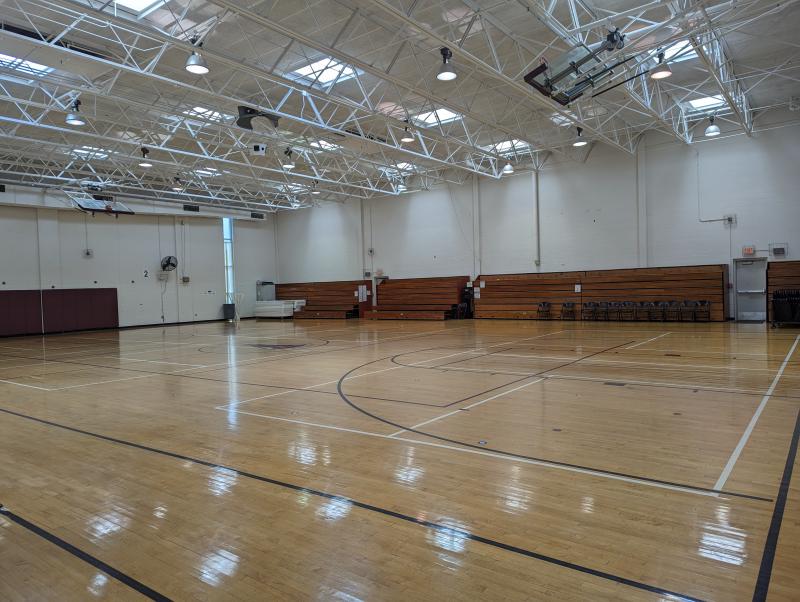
column 85, row 556
column 450, row 531
column 544, row 461
column 771, row 544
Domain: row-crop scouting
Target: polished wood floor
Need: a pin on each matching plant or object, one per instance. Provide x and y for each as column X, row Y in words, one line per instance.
column 360, row 460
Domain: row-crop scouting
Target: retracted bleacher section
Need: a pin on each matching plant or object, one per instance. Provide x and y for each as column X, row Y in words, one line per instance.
column 418, row 298
column 323, row 299
column 517, row 296
column 522, row 296
column 781, row 276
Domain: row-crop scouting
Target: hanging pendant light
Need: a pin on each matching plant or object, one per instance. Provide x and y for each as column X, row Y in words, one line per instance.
column 446, row 71
column 288, row 162
column 177, row 185
column 74, row 117
column 508, row 169
column 712, row 129
column 196, row 64
column 662, row 70
column 408, row 135
column 579, row 139
column 144, row 162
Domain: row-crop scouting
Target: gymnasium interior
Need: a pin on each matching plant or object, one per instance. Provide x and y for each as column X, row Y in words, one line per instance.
column 366, row 300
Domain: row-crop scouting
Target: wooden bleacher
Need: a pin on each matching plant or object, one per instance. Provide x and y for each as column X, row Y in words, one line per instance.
column 517, row 296
column 781, row 275
column 418, row 298
column 324, row 299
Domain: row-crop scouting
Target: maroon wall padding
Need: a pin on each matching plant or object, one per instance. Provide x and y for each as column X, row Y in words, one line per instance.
column 20, row 313
column 79, row 309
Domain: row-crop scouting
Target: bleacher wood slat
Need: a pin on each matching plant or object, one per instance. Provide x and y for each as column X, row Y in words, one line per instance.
column 418, row 298
column 781, row 275
column 337, row 300
column 517, row 296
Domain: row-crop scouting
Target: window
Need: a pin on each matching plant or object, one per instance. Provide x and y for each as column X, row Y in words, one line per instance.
column 324, row 72
column 439, row 116
column 227, row 244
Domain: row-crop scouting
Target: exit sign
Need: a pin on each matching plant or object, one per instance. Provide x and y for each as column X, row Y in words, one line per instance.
column 749, row 251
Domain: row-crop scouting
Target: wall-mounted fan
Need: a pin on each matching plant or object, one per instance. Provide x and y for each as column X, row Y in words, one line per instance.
column 169, row 263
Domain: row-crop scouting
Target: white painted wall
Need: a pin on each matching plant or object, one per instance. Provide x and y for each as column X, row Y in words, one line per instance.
column 45, row 247
column 322, row 244
column 612, row 211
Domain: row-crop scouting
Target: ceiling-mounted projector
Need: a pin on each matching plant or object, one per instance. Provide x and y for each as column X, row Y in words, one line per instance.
column 567, row 77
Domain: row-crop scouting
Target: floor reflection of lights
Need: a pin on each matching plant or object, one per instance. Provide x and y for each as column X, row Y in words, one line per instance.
column 335, row 509
column 218, row 565
column 104, row 526
column 221, row 480
column 722, row 542
column 451, row 539
column 97, row 585
column 407, row 472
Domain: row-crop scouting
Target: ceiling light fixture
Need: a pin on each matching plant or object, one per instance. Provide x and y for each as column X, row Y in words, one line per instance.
column 288, row 162
column 408, row 135
column 662, row 70
column 446, row 71
column 144, row 162
column 74, row 117
column 712, row 129
column 196, row 64
column 579, row 139
column 314, row 189
column 508, row 169
column 177, row 185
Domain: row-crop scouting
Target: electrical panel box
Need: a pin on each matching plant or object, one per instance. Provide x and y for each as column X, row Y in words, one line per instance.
column 749, row 251
column 163, row 276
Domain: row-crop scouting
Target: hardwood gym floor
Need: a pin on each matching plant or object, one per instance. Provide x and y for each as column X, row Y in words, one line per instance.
column 359, row 460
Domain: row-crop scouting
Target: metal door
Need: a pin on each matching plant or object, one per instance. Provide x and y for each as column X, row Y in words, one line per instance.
column 750, row 276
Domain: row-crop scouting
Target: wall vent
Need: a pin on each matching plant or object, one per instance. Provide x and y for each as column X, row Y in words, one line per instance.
column 255, row 215
column 192, row 208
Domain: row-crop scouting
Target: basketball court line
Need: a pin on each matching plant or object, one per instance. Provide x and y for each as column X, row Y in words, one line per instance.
column 648, row 341
column 433, row 359
column 737, row 451
column 440, row 527
column 703, row 491
column 467, row 407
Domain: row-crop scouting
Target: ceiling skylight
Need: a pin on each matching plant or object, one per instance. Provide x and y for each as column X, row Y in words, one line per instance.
column 406, row 167
column 209, row 114
column 706, row 102
column 91, row 152
column 677, row 52
column 508, row 147
column 324, row 145
column 325, row 71
column 207, row 172
column 436, row 117
column 23, row 66
column 138, row 6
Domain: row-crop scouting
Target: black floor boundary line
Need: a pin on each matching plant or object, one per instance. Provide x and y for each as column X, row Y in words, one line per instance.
column 602, row 380
column 543, row 461
column 364, row 506
column 85, row 556
column 771, row 543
